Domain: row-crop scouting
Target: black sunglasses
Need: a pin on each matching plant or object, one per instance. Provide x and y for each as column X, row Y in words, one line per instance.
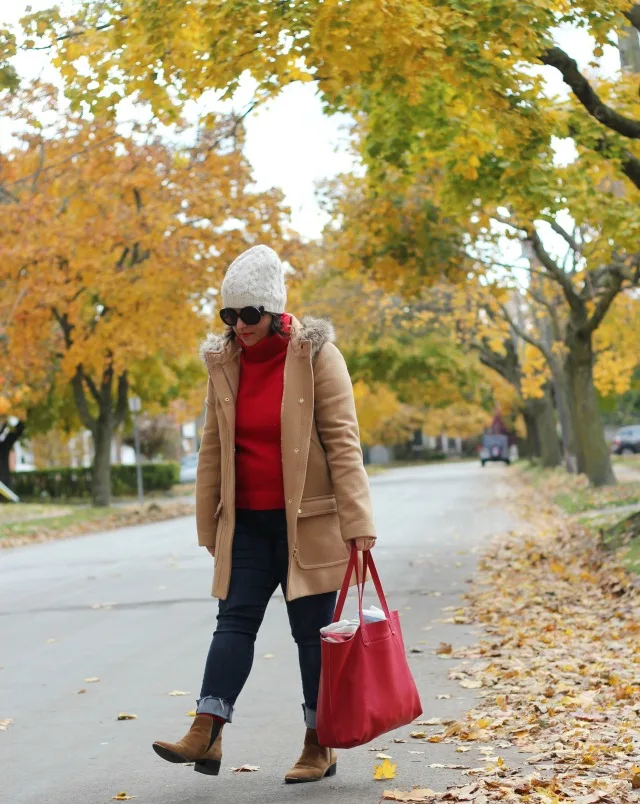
column 249, row 315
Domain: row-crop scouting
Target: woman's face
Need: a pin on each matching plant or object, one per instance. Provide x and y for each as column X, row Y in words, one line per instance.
column 250, row 334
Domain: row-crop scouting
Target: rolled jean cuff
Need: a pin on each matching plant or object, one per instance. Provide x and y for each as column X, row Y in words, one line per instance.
column 215, row 706
column 309, row 717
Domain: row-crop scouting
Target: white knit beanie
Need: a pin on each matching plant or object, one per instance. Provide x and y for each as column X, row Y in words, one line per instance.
column 255, row 279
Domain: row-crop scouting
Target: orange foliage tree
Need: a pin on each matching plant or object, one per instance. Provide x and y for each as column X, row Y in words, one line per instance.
column 113, row 245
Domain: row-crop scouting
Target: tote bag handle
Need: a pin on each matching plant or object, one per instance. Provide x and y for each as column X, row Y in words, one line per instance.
column 354, row 566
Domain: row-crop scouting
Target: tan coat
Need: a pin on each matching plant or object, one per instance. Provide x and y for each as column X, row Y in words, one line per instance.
column 326, row 487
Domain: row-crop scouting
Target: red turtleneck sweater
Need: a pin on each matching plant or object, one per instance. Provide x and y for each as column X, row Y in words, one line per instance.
column 259, row 483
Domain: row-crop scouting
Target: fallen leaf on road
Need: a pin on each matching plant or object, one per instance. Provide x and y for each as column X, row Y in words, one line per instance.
column 443, row 697
column 450, row 767
column 416, row 752
column 385, row 771
column 444, row 648
column 398, row 740
column 383, row 756
column 384, row 748
column 269, row 656
column 178, row 692
column 191, row 713
column 126, row 716
column 122, row 797
column 246, row 769
column 435, row 738
column 418, row 735
column 92, row 680
column 80, row 692
column 462, row 750
column 635, row 782
column 471, row 683
column 4, row 724
column 434, row 721
column 422, row 794
column 416, row 650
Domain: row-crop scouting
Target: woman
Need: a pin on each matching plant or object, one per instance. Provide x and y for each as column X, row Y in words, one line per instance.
column 281, row 492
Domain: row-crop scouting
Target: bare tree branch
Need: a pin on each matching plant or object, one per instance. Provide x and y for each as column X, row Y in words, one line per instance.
column 631, row 168
column 584, row 92
column 82, row 32
column 575, row 246
column 81, row 401
column 526, row 336
column 65, row 326
column 550, row 306
column 92, row 387
column 605, row 301
column 574, row 300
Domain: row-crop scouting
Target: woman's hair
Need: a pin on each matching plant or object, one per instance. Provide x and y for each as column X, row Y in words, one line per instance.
column 276, row 328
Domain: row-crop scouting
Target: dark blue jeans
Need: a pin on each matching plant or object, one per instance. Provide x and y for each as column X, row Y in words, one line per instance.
column 260, row 561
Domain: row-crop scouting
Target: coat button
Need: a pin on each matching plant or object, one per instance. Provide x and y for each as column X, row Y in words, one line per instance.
column 296, row 450
column 299, row 510
column 227, row 399
column 290, row 501
column 301, row 400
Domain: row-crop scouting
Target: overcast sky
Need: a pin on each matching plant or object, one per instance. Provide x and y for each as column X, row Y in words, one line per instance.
column 290, row 143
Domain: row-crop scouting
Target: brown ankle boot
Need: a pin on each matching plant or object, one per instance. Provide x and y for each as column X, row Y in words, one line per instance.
column 315, row 762
column 202, row 744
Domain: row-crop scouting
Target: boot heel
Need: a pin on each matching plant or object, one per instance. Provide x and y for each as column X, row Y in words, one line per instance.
column 210, row 767
column 332, row 770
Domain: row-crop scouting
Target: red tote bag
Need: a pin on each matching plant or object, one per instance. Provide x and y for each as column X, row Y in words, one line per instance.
column 366, row 687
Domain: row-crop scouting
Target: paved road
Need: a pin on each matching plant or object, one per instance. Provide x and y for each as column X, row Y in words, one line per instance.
column 131, row 607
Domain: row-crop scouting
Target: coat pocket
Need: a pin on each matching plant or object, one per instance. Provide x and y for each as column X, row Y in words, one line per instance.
column 319, row 541
column 316, row 506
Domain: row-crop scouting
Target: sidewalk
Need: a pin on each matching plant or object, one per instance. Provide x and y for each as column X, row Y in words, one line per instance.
column 558, row 671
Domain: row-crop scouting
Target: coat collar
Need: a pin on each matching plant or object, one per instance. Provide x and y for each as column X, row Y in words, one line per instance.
column 308, row 336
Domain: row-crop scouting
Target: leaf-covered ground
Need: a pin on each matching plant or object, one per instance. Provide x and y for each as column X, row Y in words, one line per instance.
column 27, row 523
column 574, row 495
column 558, row 673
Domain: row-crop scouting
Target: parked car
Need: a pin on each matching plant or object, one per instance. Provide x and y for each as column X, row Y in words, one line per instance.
column 188, row 468
column 627, row 441
column 495, row 448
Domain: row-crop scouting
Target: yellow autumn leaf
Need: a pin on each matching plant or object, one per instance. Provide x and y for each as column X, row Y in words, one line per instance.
column 127, row 716
column 387, row 770
column 122, row 797
column 191, row 713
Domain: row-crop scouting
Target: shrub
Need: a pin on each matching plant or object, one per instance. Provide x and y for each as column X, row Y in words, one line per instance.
column 65, row 482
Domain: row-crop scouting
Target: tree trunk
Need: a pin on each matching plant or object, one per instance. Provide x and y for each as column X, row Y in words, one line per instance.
column 531, row 443
column 5, row 475
column 573, row 461
column 101, row 468
column 102, row 427
column 550, row 454
column 11, row 437
column 589, row 431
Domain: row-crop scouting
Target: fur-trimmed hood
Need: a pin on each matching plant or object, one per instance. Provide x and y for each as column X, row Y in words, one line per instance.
column 317, row 331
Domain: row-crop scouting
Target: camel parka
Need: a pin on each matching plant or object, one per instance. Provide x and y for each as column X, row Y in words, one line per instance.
column 326, row 487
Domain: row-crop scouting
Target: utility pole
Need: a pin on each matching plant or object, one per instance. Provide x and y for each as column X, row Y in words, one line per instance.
column 135, row 407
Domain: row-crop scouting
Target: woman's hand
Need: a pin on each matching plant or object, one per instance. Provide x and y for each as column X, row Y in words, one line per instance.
column 364, row 543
